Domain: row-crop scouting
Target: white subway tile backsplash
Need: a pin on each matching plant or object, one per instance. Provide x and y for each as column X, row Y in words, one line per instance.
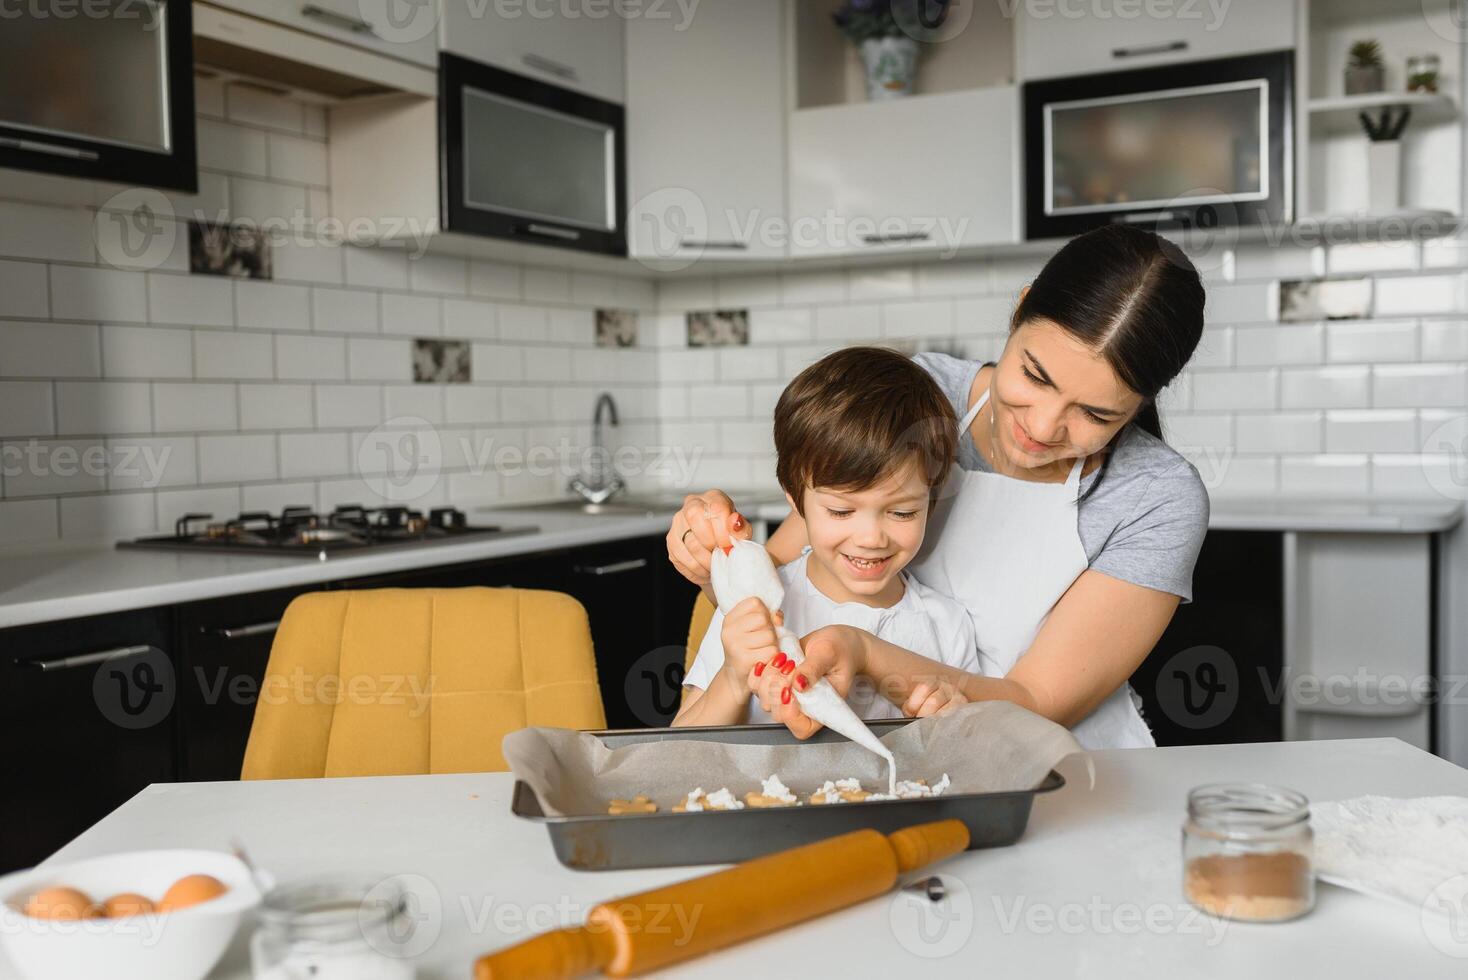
column 49, row 467
column 147, row 352
column 23, row 289
column 80, row 293
column 271, row 305
column 1442, row 253
column 953, row 277
column 179, row 407
column 26, row 408
column 1361, row 257
column 471, row 404
column 1242, row 303
column 276, row 497
column 313, row 454
column 237, row 458
column 918, row 318
column 688, row 366
column 875, row 283
column 28, row 521
column 554, row 363
column 1325, row 476
column 862, row 321
column 150, row 462
column 1399, row 477
column 256, row 106
column 1215, row 349
column 983, row 315
column 1261, row 260
column 748, row 363
column 343, row 311
column 813, row 287
column 223, row 502
column 780, row 326
column 1325, row 387
column 345, row 406
column 1279, row 432
column 747, row 291
column 107, row 516
column 407, row 402
column 571, row 327
column 34, row 231
column 264, row 201
column 495, row 280
column 49, row 350
column 1420, row 386
column 1444, row 340
column 382, row 267
column 103, row 407
column 546, row 285
column 301, row 161
column 1235, row 390
column 1197, row 432
column 524, row 323
column 1371, row 342
column 1370, row 431
column 447, row 274
column 231, row 149
column 305, row 358
column 413, row 316
column 1414, row 295
column 525, row 404
column 685, row 293
column 371, row 359
column 469, row 319
column 308, row 260
column 746, row 437
column 496, row 362
column 1285, row 343
column 276, row 406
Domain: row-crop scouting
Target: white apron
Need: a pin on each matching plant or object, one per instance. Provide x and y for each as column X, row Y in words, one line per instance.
column 1008, row 549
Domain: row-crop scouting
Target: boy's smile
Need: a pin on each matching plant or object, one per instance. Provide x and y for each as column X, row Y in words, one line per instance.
column 861, row 539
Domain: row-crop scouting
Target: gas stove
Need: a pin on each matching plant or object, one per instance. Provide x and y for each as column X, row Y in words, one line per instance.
column 302, row 532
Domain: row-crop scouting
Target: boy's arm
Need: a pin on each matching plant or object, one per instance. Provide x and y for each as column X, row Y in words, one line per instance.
column 719, row 705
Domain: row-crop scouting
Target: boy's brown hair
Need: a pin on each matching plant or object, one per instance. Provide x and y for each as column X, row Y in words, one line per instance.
column 856, row 416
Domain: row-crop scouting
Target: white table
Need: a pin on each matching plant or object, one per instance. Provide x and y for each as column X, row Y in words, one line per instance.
column 1073, row 898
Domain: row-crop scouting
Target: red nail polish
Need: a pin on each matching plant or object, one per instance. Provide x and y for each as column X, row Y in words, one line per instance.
column 787, row 667
column 785, row 696
column 759, row 668
column 728, row 548
column 800, row 681
column 779, row 660
column 738, row 522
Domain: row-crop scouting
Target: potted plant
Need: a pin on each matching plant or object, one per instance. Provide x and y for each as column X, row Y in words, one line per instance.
column 1364, row 70
column 885, row 33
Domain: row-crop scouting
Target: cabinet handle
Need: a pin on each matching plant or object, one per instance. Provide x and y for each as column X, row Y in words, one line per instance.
column 615, row 568
column 240, row 632
column 726, row 246
column 354, row 24
column 551, row 231
column 87, row 659
column 1365, row 701
column 908, row 236
column 1150, row 217
column 548, row 66
column 55, row 149
column 1142, row 50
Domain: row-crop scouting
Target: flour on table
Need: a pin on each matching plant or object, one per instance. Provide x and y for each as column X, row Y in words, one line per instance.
column 1407, row 849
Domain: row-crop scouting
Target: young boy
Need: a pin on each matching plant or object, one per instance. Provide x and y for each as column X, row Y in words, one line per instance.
column 864, row 439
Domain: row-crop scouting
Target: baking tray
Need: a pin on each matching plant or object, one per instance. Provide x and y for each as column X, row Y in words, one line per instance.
column 602, row 842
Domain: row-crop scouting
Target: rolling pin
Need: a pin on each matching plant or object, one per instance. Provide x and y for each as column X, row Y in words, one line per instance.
column 640, row 933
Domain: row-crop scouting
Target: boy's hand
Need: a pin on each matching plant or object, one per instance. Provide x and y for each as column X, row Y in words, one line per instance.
column 749, row 638
column 933, row 698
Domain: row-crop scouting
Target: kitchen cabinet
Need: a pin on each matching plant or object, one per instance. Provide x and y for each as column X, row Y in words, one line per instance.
column 364, row 24
column 1080, row 39
column 578, row 47
column 926, row 173
column 705, row 133
column 87, row 713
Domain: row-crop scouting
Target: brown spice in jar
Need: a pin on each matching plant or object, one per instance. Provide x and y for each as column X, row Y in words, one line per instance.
column 1256, row 887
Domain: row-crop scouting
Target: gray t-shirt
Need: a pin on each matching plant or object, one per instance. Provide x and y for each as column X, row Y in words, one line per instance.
column 1144, row 524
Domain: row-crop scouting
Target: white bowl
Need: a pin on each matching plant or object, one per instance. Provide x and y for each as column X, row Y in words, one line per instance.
column 180, row 945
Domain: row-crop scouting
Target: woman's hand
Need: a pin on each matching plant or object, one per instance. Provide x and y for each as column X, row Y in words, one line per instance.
column 696, row 531
column 749, row 640
column 837, row 653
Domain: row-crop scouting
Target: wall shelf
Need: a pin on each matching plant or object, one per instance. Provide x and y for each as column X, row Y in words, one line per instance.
column 1341, row 112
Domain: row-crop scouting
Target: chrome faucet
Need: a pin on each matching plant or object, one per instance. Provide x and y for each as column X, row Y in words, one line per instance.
column 597, row 488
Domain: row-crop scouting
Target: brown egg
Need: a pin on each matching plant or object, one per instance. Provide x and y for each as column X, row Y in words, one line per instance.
column 125, row 904
column 60, row 903
column 191, row 890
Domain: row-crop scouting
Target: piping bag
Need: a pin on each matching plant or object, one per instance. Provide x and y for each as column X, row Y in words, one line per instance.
column 742, row 569
column 657, row 928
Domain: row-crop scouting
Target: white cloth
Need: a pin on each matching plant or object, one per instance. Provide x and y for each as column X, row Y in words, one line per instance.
column 1008, row 549
column 923, row 621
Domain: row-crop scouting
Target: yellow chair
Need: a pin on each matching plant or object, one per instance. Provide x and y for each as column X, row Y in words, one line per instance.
column 703, row 614
column 406, row 681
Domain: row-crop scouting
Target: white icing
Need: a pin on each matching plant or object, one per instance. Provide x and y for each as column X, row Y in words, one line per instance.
column 694, row 803
column 776, row 790
column 723, row 800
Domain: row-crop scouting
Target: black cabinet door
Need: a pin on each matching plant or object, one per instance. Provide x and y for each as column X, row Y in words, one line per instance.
column 224, row 647
column 87, row 719
column 1215, row 674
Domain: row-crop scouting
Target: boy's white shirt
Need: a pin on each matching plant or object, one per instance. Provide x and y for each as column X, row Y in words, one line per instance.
column 923, row 621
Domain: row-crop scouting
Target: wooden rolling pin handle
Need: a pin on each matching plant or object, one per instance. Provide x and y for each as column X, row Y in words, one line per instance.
column 554, row 956
column 633, row 935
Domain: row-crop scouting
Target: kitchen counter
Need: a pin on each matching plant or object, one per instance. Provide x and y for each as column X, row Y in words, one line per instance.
column 1283, row 514
column 1092, row 889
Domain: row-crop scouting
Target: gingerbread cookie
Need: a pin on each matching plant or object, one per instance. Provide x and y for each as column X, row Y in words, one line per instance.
column 638, row 804
column 698, row 801
column 840, row 791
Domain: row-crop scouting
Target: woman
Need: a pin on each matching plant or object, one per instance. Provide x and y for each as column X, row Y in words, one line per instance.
column 1068, row 528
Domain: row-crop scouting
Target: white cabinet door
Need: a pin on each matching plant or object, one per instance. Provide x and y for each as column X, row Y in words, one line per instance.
column 575, row 46
column 1081, row 38
column 706, row 133
column 405, row 31
column 929, row 173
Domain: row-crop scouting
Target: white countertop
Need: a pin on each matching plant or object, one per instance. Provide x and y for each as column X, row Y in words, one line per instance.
column 1092, row 889
column 56, row 582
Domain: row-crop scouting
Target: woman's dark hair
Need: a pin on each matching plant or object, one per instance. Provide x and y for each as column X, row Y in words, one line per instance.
column 1131, row 296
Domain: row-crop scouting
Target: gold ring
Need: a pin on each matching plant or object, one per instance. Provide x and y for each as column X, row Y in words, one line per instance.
column 686, row 533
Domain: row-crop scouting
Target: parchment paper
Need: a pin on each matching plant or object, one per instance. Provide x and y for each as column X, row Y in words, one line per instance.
column 991, row 746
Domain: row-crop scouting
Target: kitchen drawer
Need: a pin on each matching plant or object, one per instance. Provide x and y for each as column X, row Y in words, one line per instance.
column 562, row 44
column 369, row 24
column 88, row 712
column 925, row 173
column 1079, row 38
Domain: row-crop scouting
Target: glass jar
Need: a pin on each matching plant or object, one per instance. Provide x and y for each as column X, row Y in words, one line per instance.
column 335, row 927
column 1422, row 72
column 1248, row 852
